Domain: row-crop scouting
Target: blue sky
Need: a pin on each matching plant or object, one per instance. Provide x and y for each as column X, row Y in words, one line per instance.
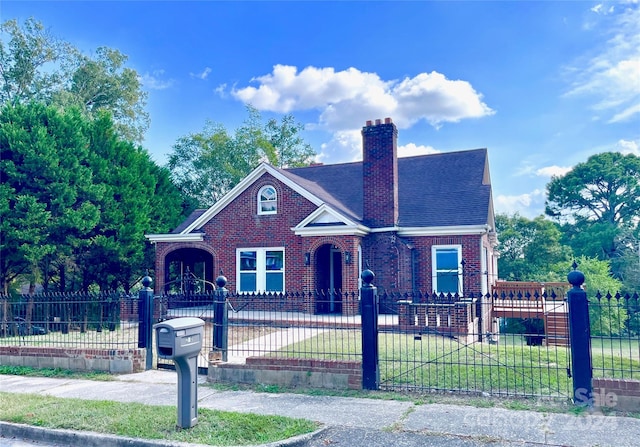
column 543, row 85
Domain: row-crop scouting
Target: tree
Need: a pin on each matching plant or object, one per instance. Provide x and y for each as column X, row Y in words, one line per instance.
column 139, row 198
column 284, row 137
column 104, row 83
column 528, row 247
column 607, row 316
column 36, row 66
column 77, row 200
column 206, row 165
column 600, row 199
column 48, row 185
column 26, row 61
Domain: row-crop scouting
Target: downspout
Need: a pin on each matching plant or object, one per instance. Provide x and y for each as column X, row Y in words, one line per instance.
column 413, row 266
column 480, row 303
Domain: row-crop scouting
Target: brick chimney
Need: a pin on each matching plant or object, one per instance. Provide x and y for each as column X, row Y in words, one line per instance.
column 380, row 174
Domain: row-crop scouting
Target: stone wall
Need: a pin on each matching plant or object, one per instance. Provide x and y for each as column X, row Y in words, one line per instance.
column 290, row 373
column 115, row 361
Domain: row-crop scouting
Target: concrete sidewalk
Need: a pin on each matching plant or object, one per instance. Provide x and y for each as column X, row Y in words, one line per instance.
column 355, row 422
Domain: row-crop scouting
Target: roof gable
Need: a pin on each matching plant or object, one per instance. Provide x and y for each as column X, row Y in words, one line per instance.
column 262, row 169
column 325, row 221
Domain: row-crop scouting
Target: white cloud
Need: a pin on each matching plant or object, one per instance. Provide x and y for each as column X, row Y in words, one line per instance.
column 412, row 149
column 343, row 98
column 153, row 80
column 529, row 205
column 610, row 76
column 203, row 75
column 528, row 169
column 628, row 147
column 602, row 9
column 551, row 171
column 221, row 90
column 626, row 113
column 344, row 146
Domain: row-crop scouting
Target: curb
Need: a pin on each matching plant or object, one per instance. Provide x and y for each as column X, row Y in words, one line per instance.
column 91, row 439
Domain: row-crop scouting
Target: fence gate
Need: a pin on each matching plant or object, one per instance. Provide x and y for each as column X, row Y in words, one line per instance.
column 199, row 305
column 443, row 343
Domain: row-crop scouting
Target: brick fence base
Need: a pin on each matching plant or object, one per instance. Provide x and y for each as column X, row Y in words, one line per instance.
column 290, row 372
column 619, row 394
column 116, row 361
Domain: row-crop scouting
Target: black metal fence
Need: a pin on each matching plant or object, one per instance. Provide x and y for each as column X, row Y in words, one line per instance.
column 615, row 335
column 514, row 345
column 272, row 324
column 72, row 320
column 486, row 344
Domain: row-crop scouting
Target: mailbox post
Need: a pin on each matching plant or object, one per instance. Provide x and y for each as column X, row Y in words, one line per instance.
column 180, row 340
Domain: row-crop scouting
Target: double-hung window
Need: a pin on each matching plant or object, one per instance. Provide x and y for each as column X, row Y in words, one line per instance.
column 447, row 268
column 260, row 269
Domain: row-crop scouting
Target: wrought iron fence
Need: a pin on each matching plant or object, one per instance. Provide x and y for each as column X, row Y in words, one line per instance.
column 615, row 335
column 330, row 335
column 199, row 305
column 275, row 324
column 477, row 344
column 72, row 320
column 514, row 344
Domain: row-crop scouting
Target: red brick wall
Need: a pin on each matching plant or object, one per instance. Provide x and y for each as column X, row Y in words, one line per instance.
column 380, row 174
column 291, row 372
column 470, row 253
column 239, row 226
column 619, row 394
column 76, row 359
column 389, row 257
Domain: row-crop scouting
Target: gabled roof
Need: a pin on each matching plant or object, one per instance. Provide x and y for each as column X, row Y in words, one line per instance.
column 258, row 172
column 445, row 189
column 438, row 191
column 339, row 185
column 189, row 220
column 325, row 221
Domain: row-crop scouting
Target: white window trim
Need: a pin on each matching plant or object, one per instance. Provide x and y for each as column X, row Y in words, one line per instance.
column 260, row 211
column 261, row 268
column 434, row 272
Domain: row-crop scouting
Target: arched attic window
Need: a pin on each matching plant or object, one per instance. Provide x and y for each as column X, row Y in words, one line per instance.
column 267, row 200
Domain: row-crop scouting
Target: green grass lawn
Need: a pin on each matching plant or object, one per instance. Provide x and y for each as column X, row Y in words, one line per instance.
column 509, row 367
column 148, row 422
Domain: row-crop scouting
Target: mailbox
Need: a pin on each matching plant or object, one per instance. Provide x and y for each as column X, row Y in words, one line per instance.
column 179, row 337
column 180, row 340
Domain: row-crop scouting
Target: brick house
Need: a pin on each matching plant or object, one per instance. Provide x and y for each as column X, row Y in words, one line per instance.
column 420, row 223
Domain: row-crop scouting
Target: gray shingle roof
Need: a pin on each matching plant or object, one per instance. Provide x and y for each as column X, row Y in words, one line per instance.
column 189, row 220
column 445, row 189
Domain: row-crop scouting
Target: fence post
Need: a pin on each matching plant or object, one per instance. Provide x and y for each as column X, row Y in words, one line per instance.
column 369, row 297
column 579, row 339
column 145, row 320
column 220, row 320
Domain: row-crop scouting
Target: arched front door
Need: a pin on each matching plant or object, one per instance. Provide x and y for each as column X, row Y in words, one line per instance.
column 329, row 279
column 188, row 268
